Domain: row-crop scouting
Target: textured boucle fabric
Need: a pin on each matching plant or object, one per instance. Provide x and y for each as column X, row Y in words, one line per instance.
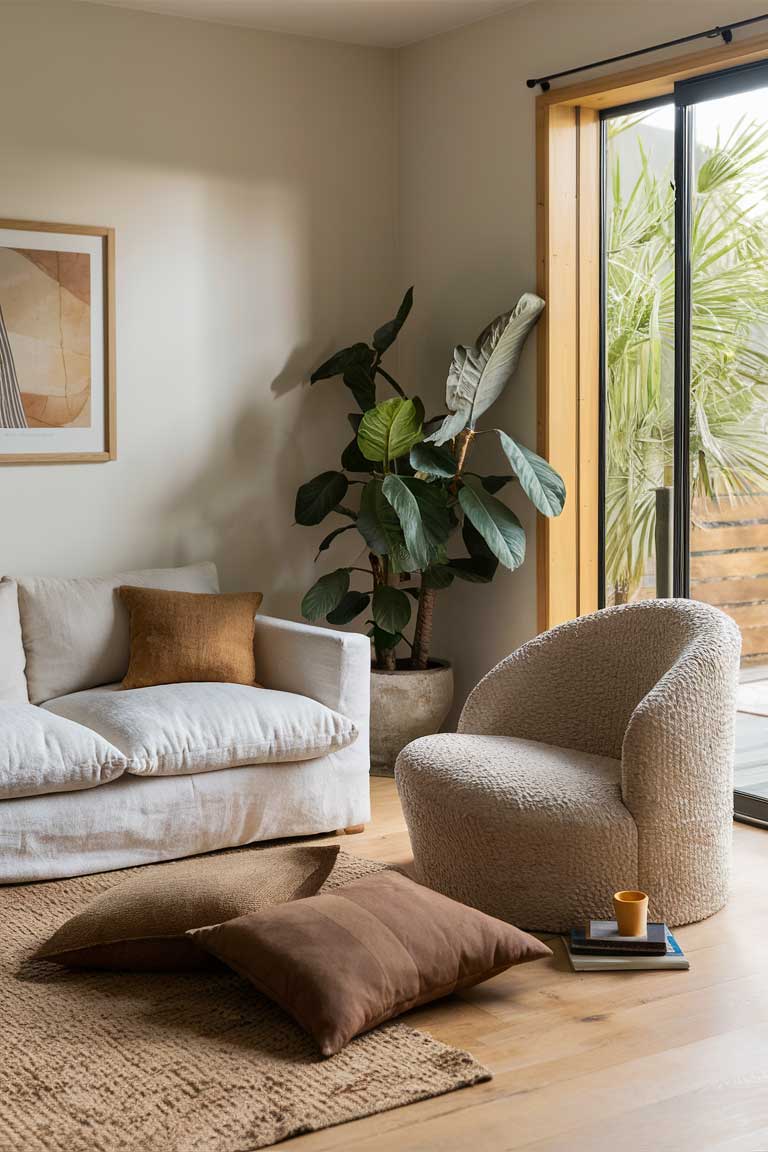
column 520, row 812
column 179, row 1062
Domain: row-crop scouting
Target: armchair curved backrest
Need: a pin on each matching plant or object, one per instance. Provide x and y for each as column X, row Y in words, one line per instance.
column 654, row 685
column 579, row 685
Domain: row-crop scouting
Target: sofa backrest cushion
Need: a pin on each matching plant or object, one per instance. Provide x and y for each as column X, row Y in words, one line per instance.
column 75, row 630
column 13, row 684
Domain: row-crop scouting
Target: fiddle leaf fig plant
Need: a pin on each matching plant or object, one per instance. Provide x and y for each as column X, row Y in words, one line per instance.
column 416, row 496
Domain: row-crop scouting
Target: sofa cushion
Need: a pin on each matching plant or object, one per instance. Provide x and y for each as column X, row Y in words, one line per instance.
column 178, row 637
column 13, row 683
column 178, row 729
column 40, row 753
column 140, row 924
column 344, row 961
column 75, row 630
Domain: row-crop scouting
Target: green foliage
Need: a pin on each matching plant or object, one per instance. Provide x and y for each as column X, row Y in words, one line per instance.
column 390, row 430
column 414, row 494
column 316, row 498
column 391, row 608
column 729, row 268
column 325, row 595
column 542, row 485
column 499, row 527
column 479, row 374
column 422, row 510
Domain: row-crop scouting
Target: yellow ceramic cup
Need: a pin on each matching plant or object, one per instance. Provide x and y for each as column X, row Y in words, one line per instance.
column 631, row 912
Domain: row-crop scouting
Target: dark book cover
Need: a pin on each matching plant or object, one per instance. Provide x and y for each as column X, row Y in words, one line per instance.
column 601, row 937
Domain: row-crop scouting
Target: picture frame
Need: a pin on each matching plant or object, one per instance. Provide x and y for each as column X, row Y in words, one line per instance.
column 57, row 343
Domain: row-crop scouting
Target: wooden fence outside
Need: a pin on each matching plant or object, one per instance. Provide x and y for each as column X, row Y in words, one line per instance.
column 729, row 566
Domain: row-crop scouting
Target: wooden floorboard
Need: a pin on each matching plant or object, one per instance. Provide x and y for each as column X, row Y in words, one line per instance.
column 639, row 1062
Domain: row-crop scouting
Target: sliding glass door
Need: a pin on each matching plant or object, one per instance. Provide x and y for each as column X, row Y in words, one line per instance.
column 684, row 472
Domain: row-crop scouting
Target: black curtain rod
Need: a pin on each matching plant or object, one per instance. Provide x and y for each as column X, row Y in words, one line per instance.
column 711, row 34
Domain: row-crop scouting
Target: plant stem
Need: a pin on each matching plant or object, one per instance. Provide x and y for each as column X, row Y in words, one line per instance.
column 422, row 636
column 463, row 443
column 390, row 380
column 385, row 657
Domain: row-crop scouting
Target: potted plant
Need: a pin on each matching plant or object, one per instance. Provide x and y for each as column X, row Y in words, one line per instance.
column 417, row 495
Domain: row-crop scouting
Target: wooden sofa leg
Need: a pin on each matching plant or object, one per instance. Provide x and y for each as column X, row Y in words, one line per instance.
column 354, row 829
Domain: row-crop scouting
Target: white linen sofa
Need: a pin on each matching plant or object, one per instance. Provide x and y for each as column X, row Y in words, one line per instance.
column 94, row 777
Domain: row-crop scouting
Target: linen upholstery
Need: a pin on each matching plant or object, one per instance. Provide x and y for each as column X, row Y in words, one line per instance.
column 140, row 924
column 147, row 819
column 13, row 683
column 189, row 636
column 343, row 962
column 75, row 630
column 41, row 753
column 176, row 729
column 651, row 685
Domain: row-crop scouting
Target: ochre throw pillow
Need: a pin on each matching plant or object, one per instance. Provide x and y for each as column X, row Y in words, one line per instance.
column 182, row 637
column 347, row 960
column 140, row 924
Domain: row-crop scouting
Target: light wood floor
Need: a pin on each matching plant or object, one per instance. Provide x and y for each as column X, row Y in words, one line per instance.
column 634, row 1062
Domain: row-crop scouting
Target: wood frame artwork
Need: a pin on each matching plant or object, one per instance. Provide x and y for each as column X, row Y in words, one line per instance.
column 568, row 262
column 57, row 343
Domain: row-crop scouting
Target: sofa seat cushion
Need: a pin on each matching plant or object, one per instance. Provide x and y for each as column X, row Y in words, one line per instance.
column 40, row 753
column 178, row 729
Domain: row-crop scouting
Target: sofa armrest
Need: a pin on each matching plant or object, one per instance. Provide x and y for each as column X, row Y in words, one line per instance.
column 332, row 667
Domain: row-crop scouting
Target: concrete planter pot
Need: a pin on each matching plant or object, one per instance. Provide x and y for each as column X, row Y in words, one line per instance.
column 406, row 704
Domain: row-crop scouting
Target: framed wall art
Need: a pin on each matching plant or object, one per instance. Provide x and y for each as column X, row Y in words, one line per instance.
column 57, row 343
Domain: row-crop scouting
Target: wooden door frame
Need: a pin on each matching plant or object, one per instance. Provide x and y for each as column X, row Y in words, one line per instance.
column 568, row 278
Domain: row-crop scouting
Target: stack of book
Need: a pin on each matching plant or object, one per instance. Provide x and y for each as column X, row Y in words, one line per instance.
column 600, row 948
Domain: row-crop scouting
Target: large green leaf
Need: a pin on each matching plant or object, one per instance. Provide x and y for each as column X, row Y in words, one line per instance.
column 494, row 484
column 437, row 576
column 479, row 375
column 343, row 360
column 325, row 594
column 474, row 569
column 433, row 461
column 386, row 335
column 391, row 608
column 499, row 527
column 379, row 526
column 352, row 459
column 390, row 429
column 361, row 384
column 350, row 605
column 326, row 542
column 316, row 498
column 542, row 485
column 422, row 510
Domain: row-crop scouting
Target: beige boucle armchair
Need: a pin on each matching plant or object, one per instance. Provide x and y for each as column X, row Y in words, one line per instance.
column 597, row 757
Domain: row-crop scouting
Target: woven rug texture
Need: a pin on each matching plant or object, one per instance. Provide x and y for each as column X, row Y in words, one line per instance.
column 188, row 1062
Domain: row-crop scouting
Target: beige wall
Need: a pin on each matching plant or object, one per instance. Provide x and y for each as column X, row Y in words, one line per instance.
column 467, row 214
column 251, row 181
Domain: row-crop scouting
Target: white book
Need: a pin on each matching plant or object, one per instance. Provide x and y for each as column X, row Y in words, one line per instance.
column 675, row 959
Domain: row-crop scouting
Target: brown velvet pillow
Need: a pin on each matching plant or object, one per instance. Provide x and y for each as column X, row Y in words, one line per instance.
column 347, row 960
column 140, row 924
column 180, row 637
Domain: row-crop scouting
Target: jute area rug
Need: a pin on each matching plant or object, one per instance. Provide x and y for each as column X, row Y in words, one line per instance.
column 194, row 1062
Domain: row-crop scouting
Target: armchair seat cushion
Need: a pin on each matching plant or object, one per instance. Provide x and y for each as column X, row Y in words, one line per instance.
column 529, row 832
column 181, row 729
